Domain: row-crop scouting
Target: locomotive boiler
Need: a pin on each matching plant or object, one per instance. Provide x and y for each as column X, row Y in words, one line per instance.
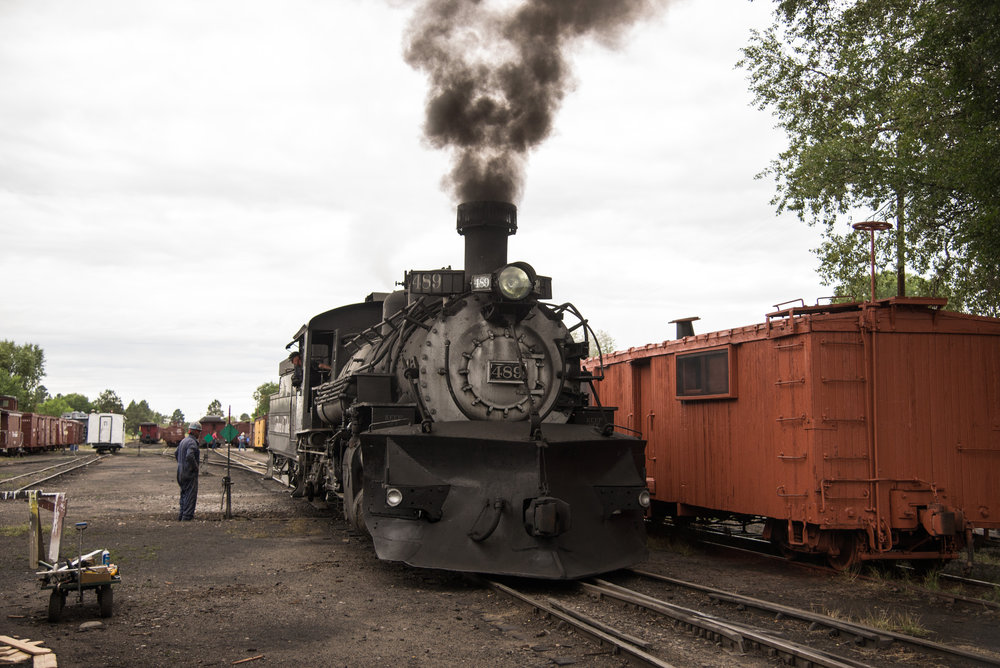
column 453, row 420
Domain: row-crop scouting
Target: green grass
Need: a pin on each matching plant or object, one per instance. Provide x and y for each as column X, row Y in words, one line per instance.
column 988, row 558
column 900, row 622
column 15, row 530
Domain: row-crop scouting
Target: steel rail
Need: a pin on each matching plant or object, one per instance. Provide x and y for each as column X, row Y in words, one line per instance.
column 825, row 569
column 969, row 581
column 63, row 472
column 738, row 636
column 254, row 466
column 240, row 465
column 35, row 472
column 586, row 626
column 879, row 637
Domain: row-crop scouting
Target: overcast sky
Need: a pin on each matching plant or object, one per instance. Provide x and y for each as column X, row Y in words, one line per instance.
column 183, row 184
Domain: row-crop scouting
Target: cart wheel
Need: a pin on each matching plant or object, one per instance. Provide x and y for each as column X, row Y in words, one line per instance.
column 105, row 599
column 56, row 602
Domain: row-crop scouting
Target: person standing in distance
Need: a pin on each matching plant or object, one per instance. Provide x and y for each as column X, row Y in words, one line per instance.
column 187, row 471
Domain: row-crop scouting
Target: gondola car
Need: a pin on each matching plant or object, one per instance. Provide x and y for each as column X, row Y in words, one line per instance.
column 454, row 422
column 857, row 431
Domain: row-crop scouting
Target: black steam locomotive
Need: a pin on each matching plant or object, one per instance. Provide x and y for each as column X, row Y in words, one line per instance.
column 454, row 421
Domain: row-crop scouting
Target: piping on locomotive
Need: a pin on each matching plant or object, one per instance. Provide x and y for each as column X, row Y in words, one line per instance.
column 454, row 421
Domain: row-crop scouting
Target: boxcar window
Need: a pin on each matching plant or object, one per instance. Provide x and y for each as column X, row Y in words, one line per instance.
column 704, row 374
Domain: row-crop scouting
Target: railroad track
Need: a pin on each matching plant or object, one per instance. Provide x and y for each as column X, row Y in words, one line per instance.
column 238, row 460
column 978, row 592
column 25, row 481
column 752, row 625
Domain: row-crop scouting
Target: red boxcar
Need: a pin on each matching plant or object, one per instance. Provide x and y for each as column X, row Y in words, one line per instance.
column 32, row 430
column 861, row 431
column 149, row 432
column 210, row 424
column 11, row 438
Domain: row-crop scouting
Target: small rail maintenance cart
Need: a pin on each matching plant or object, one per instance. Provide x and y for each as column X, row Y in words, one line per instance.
column 87, row 571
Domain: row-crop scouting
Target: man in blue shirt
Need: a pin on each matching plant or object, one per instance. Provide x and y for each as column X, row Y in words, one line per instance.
column 187, row 471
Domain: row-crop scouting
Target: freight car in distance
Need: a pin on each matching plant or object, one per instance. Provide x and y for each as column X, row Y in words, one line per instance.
column 22, row 432
column 173, row 434
column 860, row 431
column 106, row 432
column 149, row 432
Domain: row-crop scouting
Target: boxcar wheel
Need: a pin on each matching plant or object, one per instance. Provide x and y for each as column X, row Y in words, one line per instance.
column 105, row 600
column 850, row 552
column 56, row 603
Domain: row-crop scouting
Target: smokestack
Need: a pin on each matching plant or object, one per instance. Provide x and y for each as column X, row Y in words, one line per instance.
column 486, row 226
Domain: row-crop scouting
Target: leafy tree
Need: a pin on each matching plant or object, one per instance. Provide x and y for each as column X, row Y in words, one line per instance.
column 262, row 399
column 603, row 343
column 55, row 406
column 22, row 368
column 77, row 402
column 177, row 416
column 108, row 402
column 215, row 408
column 890, row 108
column 244, row 417
column 137, row 413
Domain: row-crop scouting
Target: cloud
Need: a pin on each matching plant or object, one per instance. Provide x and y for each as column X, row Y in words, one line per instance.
column 184, row 184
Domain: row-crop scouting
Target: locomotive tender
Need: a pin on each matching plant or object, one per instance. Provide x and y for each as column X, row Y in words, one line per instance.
column 454, row 421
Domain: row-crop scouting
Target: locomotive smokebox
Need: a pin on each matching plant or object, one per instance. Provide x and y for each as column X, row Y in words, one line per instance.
column 486, row 226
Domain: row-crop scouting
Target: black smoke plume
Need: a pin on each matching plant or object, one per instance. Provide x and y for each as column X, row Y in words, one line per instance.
column 497, row 77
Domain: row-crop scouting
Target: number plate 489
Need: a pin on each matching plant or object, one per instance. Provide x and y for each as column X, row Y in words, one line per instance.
column 506, row 372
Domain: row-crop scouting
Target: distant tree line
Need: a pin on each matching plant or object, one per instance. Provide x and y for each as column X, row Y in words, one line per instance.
column 22, row 367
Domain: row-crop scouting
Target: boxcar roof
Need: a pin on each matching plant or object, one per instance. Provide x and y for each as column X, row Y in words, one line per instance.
column 903, row 314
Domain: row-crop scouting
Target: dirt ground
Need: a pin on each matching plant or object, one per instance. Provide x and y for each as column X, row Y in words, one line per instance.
column 286, row 583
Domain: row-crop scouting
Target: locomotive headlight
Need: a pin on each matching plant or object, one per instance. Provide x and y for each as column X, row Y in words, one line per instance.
column 644, row 498
column 393, row 497
column 514, row 282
